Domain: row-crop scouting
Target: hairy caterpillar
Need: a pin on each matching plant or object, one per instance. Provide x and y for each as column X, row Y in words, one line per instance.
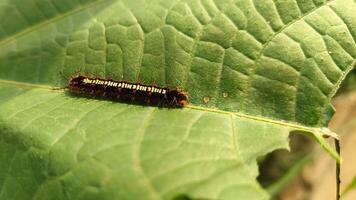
column 124, row 91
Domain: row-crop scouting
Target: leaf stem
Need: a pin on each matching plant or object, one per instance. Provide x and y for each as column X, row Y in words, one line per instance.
column 338, row 179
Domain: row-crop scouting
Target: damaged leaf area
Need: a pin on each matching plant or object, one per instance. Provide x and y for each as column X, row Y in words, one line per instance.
column 255, row 72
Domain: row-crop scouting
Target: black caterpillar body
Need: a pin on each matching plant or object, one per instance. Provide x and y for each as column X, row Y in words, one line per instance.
column 135, row 93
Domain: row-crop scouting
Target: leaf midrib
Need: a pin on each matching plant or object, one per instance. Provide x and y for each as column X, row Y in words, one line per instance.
column 292, row 125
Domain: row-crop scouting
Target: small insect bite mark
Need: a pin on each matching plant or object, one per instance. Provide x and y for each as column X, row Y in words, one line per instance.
column 123, row 91
column 206, row 99
column 225, row 94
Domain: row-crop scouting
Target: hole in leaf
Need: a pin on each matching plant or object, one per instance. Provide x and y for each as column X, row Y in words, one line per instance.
column 280, row 168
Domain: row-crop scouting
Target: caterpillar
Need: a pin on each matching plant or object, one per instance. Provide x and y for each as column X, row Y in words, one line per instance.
column 123, row 91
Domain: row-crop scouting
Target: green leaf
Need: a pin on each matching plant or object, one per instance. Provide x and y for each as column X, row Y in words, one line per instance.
column 268, row 68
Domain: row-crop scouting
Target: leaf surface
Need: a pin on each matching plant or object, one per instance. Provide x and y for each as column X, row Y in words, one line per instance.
column 265, row 69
